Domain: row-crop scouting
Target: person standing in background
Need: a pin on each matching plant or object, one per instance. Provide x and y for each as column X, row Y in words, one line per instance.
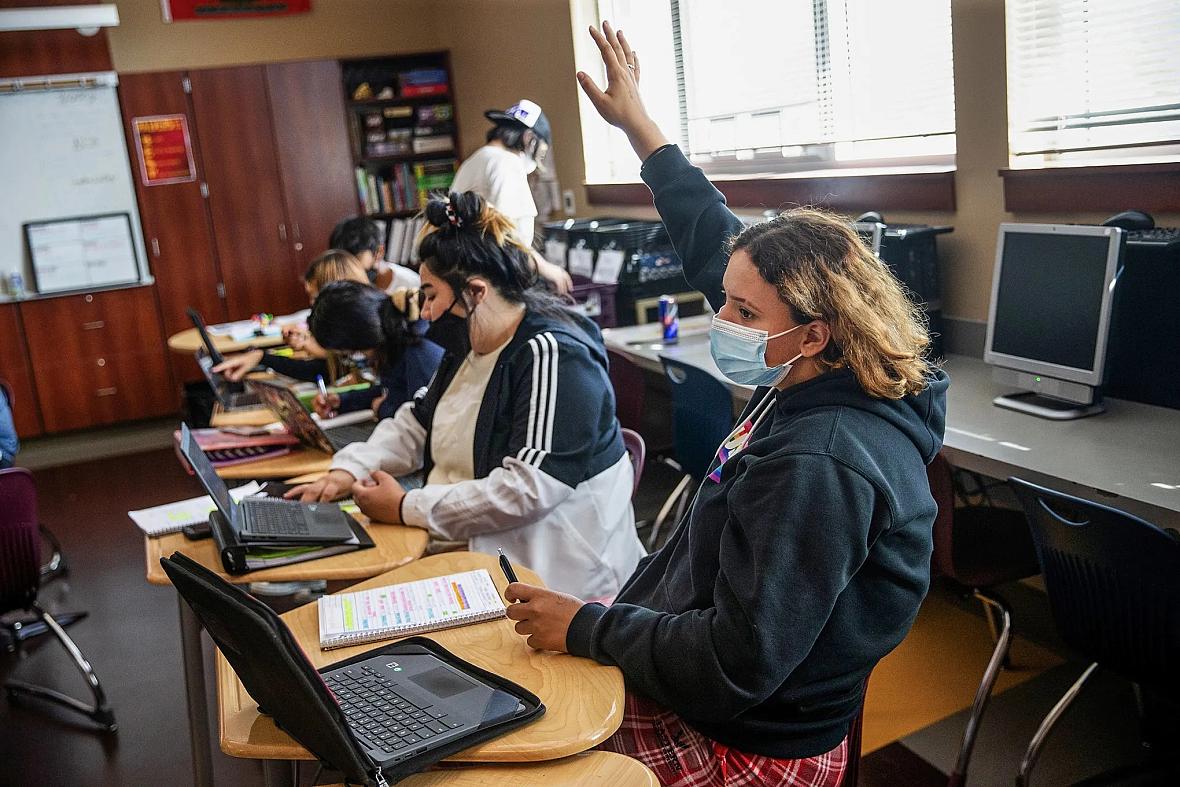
column 517, row 145
column 9, row 444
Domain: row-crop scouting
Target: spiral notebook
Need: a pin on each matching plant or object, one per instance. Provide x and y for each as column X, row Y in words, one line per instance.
column 408, row 608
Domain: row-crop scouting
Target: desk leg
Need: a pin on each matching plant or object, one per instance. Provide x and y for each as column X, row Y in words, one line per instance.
column 280, row 773
column 194, row 687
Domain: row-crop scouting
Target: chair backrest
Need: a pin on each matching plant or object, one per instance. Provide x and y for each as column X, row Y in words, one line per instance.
column 942, row 560
column 702, row 415
column 1113, row 582
column 637, row 450
column 20, row 540
column 626, row 377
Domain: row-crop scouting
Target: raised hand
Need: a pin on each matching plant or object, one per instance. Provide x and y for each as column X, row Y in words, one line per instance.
column 620, row 104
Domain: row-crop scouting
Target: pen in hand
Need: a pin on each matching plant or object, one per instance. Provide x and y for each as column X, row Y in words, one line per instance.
column 319, row 378
column 506, row 567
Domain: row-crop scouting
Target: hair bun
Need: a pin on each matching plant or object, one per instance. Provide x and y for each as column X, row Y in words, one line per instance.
column 455, row 211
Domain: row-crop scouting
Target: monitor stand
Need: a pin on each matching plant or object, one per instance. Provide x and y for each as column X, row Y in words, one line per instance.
column 1046, row 406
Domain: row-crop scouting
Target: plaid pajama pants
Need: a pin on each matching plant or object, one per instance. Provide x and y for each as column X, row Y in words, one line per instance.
column 682, row 757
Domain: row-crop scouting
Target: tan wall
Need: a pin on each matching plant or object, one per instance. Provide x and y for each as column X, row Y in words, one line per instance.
column 333, row 28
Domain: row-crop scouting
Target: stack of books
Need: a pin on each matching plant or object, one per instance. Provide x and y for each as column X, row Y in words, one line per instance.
column 423, row 82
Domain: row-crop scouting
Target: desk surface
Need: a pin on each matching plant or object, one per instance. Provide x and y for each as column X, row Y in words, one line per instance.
column 394, row 545
column 249, row 416
column 599, row 768
column 189, row 341
column 583, row 700
column 301, row 461
column 1127, row 457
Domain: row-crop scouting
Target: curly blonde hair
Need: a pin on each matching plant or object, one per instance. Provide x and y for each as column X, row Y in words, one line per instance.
column 823, row 271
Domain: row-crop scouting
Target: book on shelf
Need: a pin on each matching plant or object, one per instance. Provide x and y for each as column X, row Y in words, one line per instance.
column 414, row 91
column 430, row 114
column 438, row 144
column 398, row 112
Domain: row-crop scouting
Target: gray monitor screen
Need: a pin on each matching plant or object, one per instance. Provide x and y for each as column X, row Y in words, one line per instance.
column 1049, row 299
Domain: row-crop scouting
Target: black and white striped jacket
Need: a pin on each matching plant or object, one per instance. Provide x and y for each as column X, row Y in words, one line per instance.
column 552, row 481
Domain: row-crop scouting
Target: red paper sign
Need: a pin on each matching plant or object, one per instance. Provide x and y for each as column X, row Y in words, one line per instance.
column 182, row 10
column 165, row 151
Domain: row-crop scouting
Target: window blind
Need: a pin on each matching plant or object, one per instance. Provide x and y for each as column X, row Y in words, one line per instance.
column 1093, row 81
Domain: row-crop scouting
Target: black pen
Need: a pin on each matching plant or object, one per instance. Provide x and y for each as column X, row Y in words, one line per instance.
column 506, row 567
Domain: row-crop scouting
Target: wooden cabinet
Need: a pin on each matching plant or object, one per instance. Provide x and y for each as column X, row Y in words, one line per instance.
column 311, row 137
column 251, row 231
column 176, row 226
column 15, row 370
column 99, row 358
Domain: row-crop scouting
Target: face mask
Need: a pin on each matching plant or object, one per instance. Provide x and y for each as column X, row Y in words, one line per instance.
column 530, row 163
column 450, row 332
column 740, row 353
column 371, row 273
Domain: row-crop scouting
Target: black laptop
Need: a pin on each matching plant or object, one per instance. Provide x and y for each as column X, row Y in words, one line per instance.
column 378, row 716
column 286, row 406
column 231, row 395
column 267, row 519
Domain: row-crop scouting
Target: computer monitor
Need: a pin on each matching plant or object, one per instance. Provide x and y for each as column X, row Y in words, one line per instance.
column 1049, row 316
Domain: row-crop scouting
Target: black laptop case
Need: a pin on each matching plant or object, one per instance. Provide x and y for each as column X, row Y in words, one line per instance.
column 272, row 667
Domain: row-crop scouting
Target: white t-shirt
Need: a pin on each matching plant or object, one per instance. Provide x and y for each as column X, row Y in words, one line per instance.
column 452, row 432
column 498, row 175
column 403, row 277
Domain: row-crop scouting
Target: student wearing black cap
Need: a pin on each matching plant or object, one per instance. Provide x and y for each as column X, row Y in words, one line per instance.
column 516, row 146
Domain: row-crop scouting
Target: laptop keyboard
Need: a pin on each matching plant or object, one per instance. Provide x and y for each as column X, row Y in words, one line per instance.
column 341, row 436
column 278, row 518
column 380, row 715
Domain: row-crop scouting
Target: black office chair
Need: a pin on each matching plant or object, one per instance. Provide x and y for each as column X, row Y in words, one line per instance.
column 1113, row 582
column 978, row 547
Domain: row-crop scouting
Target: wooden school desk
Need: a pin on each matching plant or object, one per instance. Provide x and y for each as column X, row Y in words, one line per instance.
column 394, row 545
column 249, row 416
column 189, row 341
column 597, row 768
column 583, row 699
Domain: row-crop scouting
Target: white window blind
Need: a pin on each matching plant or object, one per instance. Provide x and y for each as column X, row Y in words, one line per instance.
column 768, row 86
column 1093, row 81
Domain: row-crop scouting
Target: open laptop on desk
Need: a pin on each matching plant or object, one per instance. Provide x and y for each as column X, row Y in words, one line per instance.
column 286, row 406
column 267, row 520
column 231, row 395
column 382, row 714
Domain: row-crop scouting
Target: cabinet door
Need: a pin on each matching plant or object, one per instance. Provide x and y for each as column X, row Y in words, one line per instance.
column 14, row 370
column 176, row 224
column 250, row 226
column 311, row 137
column 98, row 358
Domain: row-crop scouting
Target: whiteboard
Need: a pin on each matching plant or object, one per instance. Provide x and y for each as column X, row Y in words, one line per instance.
column 62, row 154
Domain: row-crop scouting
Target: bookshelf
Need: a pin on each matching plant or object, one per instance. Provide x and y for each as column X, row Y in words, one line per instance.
column 403, row 130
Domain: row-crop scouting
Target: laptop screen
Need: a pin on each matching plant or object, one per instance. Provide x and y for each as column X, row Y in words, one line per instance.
column 206, row 474
column 199, row 323
column 297, row 420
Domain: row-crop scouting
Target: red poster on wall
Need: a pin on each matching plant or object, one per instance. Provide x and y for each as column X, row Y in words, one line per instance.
column 165, row 151
column 186, row 10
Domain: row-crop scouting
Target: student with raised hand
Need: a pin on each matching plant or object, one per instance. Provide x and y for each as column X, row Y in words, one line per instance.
column 361, row 237
column 517, row 434
column 332, row 265
column 746, row 641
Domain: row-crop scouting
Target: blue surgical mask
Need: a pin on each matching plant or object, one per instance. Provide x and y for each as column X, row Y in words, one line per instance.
column 740, row 353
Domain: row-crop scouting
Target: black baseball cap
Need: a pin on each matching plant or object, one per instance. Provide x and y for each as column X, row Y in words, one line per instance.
column 528, row 113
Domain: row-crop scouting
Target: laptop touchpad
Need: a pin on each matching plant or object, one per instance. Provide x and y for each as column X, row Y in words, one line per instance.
column 442, row 682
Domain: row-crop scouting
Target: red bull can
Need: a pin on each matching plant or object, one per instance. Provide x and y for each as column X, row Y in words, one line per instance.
column 670, row 318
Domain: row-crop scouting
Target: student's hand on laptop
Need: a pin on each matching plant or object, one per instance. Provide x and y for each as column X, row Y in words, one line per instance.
column 620, row 104
column 542, row 615
column 326, row 407
column 379, row 497
column 235, row 367
column 333, row 486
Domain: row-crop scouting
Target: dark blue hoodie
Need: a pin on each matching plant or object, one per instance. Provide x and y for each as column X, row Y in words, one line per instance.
column 761, row 618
